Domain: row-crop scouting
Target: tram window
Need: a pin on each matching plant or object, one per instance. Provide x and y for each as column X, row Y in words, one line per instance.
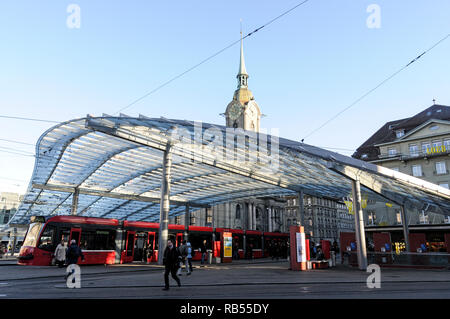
column 47, row 240
column 130, row 244
column 65, row 234
column 237, row 240
column 255, row 242
column 97, row 240
column 32, row 234
column 197, row 239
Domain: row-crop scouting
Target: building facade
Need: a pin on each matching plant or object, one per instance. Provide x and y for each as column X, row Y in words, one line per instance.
column 9, row 202
column 418, row 146
column 324, row 218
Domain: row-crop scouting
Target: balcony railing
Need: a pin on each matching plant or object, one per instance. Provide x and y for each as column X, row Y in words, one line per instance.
column 415, row 155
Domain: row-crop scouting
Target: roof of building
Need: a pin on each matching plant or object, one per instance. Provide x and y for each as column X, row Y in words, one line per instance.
column 387, row 133
column 115, row 166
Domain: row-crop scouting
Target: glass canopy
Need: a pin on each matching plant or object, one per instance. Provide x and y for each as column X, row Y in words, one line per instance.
column 113, row 166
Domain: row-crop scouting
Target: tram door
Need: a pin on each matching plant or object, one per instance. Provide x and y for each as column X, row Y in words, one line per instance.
column 140, row 246
column 151, row 245
column 129, row 248
column 179, row 239
column 75, row 233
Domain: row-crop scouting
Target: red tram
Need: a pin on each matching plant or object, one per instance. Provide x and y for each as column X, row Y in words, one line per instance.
column 109, row 241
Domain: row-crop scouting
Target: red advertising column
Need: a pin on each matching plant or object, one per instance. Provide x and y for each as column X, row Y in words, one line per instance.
column 298, row 248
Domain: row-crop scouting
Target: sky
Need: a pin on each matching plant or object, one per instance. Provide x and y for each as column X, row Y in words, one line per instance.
column 304, row 68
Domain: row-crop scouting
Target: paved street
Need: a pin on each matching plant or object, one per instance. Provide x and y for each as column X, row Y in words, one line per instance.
column 263, row 279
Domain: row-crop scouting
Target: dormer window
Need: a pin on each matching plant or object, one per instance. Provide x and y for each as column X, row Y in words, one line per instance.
column 392, row 152
column 399, row 133
column 364, row 156
column 434, row 127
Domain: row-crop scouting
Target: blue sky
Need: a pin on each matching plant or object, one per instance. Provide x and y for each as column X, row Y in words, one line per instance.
column 303, row 68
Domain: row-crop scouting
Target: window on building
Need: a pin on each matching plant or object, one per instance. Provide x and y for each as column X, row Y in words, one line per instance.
column 440, row 168
column 399, row 133
column 447, row 145
column 445, row 185
column 177, row 220
column 399, row 217
column 413, row 150
column 392, row 151
column 371, row 218
column 238, row 211
column 437, row 144
column 258, row 212
column 395, row 169
column 417, row 170
column 434, row 127
column 425, row 147
column 209, row 217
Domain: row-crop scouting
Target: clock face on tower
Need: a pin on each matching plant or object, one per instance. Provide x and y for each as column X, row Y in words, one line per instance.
column 252, row 108
column 235, row 110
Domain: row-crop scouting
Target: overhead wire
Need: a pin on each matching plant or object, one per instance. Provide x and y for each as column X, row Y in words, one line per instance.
column 209, row 58
column 377, row 86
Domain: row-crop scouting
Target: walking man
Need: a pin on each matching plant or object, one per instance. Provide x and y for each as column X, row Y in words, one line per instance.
column 73, row 253
column 183, row 252
column 189, row 257
column 203, row 252
column 60, row 254
column 171, row 261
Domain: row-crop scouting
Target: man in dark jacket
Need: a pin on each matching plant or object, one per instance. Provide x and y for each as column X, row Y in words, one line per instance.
column 171, row 262
column 73, row 253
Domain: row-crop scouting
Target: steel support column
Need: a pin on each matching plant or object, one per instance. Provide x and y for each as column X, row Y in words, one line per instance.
column 359, row 225
column 254, row 216
column 75, row 196
column 405, row 226
column 270, row 219
column 250, row 216
column 187, row 222
column 301, row 208
column 164, row 205
column 119, row 244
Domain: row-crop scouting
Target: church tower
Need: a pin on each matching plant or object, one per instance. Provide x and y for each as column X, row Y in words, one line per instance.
column 243, row 112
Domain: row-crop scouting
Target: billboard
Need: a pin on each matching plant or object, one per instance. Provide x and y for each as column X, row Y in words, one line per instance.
column 227, row 245
column 301, row 247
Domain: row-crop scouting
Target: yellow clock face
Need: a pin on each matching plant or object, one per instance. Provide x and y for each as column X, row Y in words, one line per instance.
column 235, row 110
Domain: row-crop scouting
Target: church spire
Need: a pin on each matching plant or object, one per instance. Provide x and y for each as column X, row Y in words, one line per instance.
column 242, row 75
